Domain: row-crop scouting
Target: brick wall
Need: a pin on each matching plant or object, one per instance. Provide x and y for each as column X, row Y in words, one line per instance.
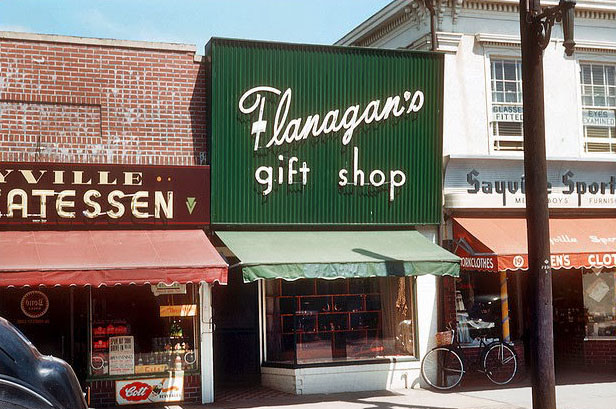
column 600, row 355
column 78, row 100
column 102, row 393
column 448, row 299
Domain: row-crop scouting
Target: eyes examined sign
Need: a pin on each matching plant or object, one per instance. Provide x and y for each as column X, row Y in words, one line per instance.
column 324, row 135
column 55, row 194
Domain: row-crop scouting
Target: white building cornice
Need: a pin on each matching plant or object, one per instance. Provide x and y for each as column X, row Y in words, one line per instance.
column 399, row 12
column 446, row 42
column 497, row 40
column 511, row 41
column 598, row 47
column 379, row 22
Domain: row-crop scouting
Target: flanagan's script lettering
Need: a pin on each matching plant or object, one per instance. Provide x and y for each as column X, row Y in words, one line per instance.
column 285, row 131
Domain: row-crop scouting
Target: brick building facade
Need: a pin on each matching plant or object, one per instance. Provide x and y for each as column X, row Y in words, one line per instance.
column 83, row 100
column 65, row 99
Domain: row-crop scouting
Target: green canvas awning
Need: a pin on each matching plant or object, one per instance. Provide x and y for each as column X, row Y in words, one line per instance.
column 337, row 254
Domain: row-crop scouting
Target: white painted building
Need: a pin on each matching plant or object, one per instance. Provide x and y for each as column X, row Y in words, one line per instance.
column 483, row 152
column 483, row 37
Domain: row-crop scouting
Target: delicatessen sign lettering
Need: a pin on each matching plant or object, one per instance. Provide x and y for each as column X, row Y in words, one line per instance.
column 51, row 193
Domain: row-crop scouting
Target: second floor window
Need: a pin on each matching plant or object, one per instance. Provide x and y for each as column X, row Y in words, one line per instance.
column 506, row 111
column 599, row 107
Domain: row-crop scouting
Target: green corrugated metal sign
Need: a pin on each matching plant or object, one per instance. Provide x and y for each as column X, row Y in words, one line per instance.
column 320, row 135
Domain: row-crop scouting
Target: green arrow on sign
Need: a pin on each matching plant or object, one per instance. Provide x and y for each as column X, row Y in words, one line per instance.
column 191, row 202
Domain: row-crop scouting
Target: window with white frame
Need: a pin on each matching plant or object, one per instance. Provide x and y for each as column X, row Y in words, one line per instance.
column 506, row 113
column 598, row 107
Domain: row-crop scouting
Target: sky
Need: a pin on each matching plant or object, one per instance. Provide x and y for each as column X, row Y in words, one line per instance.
column 190, row 21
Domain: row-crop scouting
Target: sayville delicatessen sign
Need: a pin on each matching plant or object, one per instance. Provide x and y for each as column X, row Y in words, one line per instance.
column 55, row 194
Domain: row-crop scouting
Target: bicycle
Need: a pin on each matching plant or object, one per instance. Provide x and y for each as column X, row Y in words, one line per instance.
column 443, row 366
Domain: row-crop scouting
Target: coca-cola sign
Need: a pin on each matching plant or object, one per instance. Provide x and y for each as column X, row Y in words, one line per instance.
column 136, row 391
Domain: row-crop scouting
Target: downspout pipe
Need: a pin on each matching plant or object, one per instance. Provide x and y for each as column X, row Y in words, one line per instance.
column 430, row 6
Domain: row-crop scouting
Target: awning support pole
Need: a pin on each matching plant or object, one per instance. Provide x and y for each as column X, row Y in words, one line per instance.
column 207, row 343
column 504, row 306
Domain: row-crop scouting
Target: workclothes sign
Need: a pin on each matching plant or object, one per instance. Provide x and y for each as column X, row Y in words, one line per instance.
column 324, row 135
column 52, row 194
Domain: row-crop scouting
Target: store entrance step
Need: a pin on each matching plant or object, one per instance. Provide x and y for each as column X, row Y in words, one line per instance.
column 237, row 393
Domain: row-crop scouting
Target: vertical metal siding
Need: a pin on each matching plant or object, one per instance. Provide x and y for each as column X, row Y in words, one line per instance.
column 322, row 79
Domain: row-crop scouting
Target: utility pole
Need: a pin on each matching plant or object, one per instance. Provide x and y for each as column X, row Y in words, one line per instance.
column 535, row 30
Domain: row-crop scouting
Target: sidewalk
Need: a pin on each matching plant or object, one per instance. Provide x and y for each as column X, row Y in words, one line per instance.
column 576, row 391
column 402, row 399
column 579, row 390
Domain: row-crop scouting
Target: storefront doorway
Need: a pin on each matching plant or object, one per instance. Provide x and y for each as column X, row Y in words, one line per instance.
column 53, row 319
column 569, row 319
column 236, row 335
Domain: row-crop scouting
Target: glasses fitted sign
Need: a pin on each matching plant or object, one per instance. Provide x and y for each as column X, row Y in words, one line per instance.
column 324, row 135
column 52, row 194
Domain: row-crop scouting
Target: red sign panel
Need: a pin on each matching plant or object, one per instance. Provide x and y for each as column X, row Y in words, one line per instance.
column 53, row 194
column 136, row 391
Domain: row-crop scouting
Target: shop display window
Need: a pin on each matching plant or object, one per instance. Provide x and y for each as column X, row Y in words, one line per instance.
column 141, row 330
column 600, row 303
column 478, row 306
column 316, row 320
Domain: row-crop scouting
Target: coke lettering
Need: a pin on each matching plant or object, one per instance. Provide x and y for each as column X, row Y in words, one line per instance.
column 136, row 391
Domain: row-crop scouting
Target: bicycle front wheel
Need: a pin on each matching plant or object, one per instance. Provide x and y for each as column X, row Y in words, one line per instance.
column 442, row 368
column 500, row 363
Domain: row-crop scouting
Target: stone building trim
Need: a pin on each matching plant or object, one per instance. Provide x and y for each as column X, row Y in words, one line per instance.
column 403, row 12
column 497, row 40
column 53, row 38
column 595, row 47
column 447, row 42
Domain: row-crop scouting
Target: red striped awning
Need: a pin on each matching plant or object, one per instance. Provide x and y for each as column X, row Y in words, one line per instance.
column 97, row 258
column 500, row 244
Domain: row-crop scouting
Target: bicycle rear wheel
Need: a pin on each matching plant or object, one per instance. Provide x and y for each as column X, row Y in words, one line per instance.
column 442, row 368
column 500, row 363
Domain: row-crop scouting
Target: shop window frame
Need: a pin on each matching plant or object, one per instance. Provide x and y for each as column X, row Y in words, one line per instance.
column 490, row 58
column 588, row 323
column 592, row 59
column 514, row 312
column 90, row 377
column 360, row 361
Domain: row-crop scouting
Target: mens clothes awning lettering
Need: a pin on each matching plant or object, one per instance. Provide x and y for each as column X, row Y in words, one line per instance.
column 500, row 244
